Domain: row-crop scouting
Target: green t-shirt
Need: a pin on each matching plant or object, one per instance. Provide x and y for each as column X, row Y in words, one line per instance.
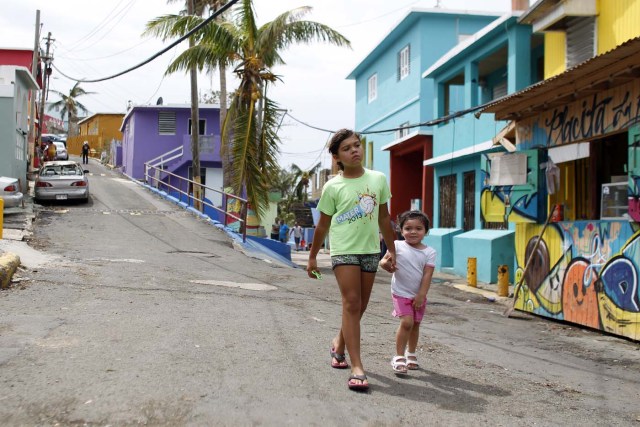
column 354, row 204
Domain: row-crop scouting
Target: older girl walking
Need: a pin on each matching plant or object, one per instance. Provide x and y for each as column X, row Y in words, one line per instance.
column 353, row 208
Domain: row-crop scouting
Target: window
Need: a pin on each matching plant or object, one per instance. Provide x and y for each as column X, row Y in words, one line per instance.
column 580, row 39
column 500, row 89
column 583, row 200
column 447, row 196
column 403, row 130
column 201, row 127
column 166, row 123
column 373, row 87
column 404, row 62
column 370, row 155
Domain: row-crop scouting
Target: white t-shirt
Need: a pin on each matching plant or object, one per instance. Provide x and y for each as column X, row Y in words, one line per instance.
column 410, row 264
column 297, row 232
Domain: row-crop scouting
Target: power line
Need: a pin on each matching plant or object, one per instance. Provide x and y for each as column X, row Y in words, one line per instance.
column 161, row 52
column 95, row 29
column 105, row 57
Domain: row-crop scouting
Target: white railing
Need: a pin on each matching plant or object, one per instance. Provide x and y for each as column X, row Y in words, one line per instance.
column 159, row 162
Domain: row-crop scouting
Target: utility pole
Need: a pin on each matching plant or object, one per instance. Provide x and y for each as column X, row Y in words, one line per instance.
column 195, row 125
column 45, row 74
column 31, row 144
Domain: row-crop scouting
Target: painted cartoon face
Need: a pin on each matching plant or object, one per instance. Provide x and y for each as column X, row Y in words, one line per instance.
column 540, row 264
column 620, row 283
column 579, row 299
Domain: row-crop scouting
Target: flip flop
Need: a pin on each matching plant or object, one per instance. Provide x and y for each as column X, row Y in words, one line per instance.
column 341, row 360
column 358, row 386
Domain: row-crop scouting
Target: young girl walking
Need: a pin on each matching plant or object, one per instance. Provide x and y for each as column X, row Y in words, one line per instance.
column 410, row 284
column 353, row 207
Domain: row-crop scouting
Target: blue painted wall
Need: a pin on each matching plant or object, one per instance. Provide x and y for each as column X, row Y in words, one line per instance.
column 491, row 248
column 430, row 34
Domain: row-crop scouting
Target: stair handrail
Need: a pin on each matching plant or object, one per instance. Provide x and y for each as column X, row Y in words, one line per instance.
column 160, row 161
column 152, row 177
column 171, row 155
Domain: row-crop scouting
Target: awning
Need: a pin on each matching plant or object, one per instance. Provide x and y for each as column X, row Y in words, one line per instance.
column 610, row 69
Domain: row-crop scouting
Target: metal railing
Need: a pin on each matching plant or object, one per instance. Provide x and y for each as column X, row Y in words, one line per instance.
column 156, row 176
column 163, row 159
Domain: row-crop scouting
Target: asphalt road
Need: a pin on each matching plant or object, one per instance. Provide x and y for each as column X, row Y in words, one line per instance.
column 141, row 313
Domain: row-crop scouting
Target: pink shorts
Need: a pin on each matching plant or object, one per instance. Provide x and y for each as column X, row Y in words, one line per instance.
column 404, row 307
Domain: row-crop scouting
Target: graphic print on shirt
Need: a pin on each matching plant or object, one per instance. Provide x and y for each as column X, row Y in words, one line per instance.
column 364, row 206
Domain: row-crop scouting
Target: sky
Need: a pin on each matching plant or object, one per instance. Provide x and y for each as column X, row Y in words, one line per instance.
column 95, row 39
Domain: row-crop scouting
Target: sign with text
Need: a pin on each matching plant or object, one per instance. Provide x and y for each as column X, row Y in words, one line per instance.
column 594, row 116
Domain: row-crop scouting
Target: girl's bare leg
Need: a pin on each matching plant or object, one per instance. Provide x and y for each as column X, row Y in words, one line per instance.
column 366, row 280
column 403, row 334
column 355, row 288
column 413, row 337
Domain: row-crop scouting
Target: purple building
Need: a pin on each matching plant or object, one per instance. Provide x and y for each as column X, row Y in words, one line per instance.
column 161, row 135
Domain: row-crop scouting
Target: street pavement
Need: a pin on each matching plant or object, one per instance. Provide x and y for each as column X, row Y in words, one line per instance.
column 131, row 311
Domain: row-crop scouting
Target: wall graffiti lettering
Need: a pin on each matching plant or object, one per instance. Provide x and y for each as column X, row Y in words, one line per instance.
column 594, row 116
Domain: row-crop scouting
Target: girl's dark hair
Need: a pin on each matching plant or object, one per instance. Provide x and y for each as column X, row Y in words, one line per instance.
column 403, row 217
column 337, row 138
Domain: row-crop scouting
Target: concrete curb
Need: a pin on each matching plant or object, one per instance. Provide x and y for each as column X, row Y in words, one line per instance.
column 9, row 263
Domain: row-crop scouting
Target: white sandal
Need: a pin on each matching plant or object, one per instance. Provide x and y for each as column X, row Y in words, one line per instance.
column 399, row 364
column 411, row 364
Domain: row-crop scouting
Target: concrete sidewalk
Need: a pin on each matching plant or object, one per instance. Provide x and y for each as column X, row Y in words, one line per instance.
column 16, row 227
column 487, row 290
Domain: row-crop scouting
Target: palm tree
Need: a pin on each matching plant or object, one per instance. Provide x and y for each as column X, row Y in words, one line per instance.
column 302, row 177
column 69, row 106
column 249, row 129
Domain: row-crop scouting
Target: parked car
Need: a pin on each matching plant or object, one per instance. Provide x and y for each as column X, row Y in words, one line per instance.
column 61, row 151
column 62, row 180
column 9, row 192
column 51, row 137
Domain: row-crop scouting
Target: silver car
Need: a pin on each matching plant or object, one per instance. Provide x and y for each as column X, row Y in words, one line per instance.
column 62, row 180
column 9, row 192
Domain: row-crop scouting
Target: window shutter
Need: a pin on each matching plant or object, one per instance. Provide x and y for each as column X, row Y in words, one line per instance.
column 399, row 70
column 166, row 123
column 580, row 40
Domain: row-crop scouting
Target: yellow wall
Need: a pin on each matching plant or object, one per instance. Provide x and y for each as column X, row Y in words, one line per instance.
column 105, row 125
column 98, row 130
column 554, row 53
column 617, row 22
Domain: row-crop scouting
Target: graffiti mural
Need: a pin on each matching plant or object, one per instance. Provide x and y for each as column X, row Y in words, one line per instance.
column 513, row 203
column 584, row 272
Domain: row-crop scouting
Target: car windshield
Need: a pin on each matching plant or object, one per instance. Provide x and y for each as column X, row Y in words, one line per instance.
column 53, row 170
column 59, row 145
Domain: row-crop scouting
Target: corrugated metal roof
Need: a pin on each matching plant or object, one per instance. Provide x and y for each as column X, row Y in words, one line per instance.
column 609, row 69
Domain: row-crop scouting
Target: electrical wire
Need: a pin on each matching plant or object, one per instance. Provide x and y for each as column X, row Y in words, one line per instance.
column 96, row 28
column 378, row 17
column 158, row 54
column 104, row 57
column 122, row 14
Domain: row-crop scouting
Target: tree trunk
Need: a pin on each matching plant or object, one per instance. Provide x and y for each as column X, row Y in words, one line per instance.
column 227, row 173
column 195, row 124
column 225, row 153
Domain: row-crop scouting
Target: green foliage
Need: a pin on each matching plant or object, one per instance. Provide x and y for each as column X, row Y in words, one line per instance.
column 249, row 130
